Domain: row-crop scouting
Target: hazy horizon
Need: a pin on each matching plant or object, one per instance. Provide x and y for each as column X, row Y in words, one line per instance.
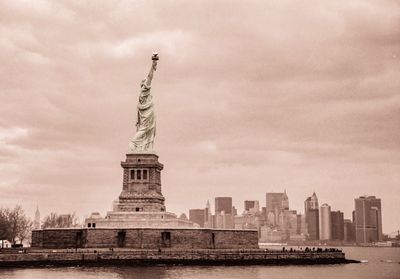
column 250, row 97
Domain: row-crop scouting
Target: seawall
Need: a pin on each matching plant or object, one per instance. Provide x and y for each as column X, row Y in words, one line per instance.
column 174, row 257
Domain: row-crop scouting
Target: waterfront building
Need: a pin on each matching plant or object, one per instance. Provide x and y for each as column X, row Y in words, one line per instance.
column 288, row 223
column 325, row 222
column 368, row 219
column 337, row 225
column 311, row 214
column 349, row 231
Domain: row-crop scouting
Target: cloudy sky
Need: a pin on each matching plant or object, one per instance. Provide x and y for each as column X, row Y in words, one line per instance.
column 251, row 97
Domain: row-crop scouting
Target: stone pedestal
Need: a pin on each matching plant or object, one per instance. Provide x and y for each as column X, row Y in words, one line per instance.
column 141, row 203
column 141, row 187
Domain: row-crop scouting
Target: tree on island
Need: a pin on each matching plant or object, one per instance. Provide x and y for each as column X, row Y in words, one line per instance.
column 14, row 225
column 54, row 220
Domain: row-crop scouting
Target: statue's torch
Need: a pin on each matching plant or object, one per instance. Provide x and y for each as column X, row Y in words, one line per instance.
column 155, row 56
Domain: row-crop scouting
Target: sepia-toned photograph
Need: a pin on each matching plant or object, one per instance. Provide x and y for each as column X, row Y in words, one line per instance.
column 199, row 139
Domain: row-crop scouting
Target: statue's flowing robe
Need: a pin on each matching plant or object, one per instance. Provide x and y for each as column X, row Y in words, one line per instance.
column 146, row 122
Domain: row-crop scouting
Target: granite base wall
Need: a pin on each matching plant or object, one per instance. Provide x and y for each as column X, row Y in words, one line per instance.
column 145, row 238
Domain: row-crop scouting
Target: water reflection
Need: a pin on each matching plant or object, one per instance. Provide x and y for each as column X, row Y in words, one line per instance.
column 382, row 263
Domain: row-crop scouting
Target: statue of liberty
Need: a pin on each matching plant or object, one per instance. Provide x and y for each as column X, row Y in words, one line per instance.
column 146, row 120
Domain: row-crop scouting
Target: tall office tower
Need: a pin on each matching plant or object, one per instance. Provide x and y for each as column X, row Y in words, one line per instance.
column 311, row 214
column 325, row 222
column 349, row 231
column 36, row 223
column 224, row 213
column 197, row 216
column 285, row 201
column 337, row 225
column 208, row 220
column 223, row 204
column 368, row 219
column 311, row 203
column 276, row 203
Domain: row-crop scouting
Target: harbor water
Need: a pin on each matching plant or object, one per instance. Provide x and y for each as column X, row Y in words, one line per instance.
column 382, row 262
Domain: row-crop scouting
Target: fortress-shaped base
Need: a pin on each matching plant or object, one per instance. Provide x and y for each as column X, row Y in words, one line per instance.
column 138, row 220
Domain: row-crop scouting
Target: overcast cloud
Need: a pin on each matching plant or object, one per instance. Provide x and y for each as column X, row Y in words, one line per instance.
column 251, row 96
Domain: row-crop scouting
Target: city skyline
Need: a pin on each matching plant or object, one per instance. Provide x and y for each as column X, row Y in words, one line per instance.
column 249, row 107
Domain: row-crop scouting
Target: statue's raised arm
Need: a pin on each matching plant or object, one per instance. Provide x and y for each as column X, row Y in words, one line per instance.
column 146, row 121
column 152, row 69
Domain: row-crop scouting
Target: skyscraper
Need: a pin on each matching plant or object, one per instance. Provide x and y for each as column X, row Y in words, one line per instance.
column 325, row 222
column 198, row 216
column 208, row 222
column 337, row 225
column 311, row 213
column 275, row 204
column 349, row 231
column 223, row 204
column 368, row 219
column 224, row 213
column 311, row 203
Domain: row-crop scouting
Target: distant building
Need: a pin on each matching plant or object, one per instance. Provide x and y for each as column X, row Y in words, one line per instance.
column 349, row 231
column 325, row 222
column 311, row 203
column 208, row 218
column 264, row 211
column 337, row 225
column 301, row 224
column 224, row 212
column 311, row 214
column 234, row 211
column 368, row 219
column 247, row 221
column 223, row 204
column 197, row 216
column 271, row 235
column 288, row 223
column 183, row 216
column 224, row 221
column 275, row 204
column 252, row 206
column 36, row 222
